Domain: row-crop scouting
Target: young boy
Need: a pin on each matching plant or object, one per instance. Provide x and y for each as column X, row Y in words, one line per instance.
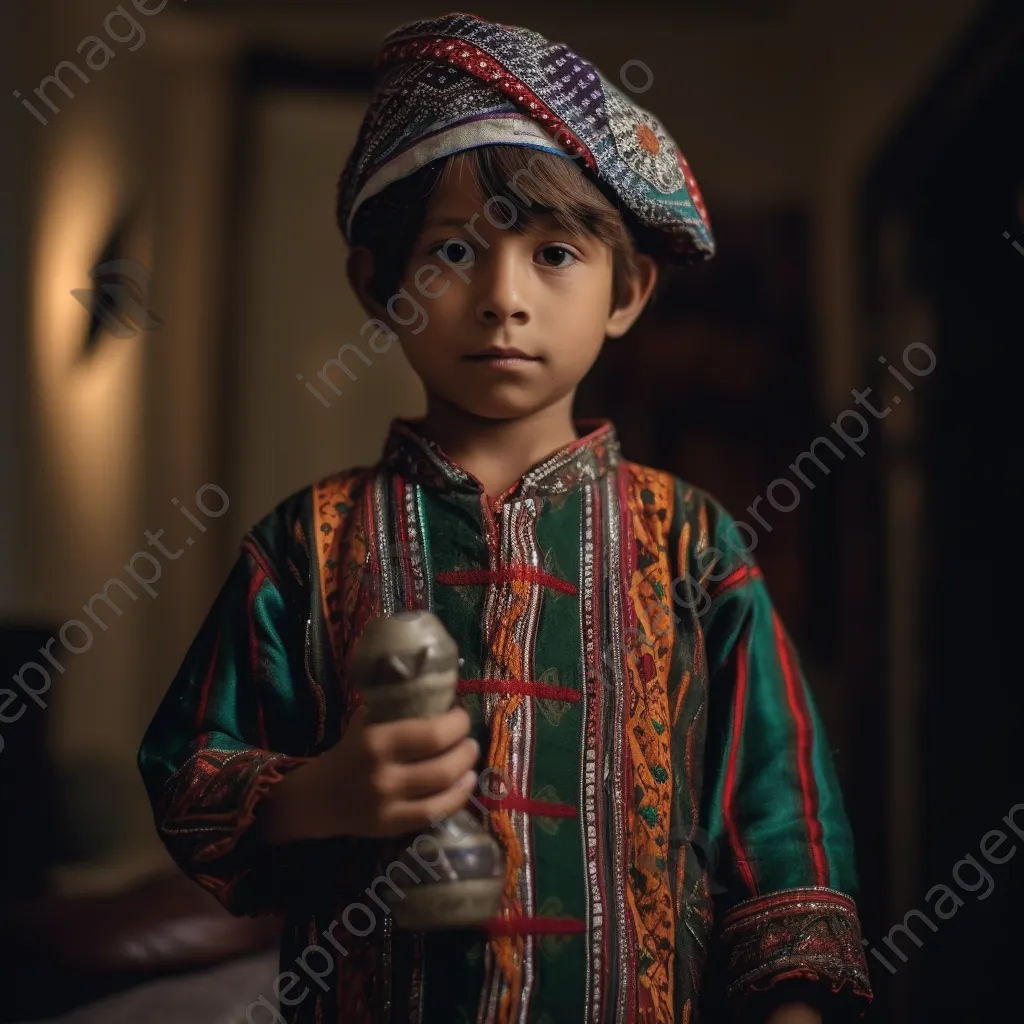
column 674, row 834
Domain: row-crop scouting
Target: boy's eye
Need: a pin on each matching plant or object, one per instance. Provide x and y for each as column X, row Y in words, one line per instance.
column 554, row 256
column 455, row 251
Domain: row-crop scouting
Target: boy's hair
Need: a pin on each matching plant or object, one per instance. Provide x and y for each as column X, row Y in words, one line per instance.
column 531, row 180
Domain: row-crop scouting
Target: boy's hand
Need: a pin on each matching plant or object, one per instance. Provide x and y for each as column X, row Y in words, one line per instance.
column 379, row 781
column 397, row 777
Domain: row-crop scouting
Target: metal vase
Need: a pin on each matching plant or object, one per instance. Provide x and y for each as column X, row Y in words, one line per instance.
column 452, row 874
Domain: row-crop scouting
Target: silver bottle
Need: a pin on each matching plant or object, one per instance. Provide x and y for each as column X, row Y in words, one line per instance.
column 451, row 874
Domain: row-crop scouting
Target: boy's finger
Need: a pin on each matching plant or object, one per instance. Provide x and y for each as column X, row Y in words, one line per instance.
column 427, row 778
column 415, row 739
column 419, row 815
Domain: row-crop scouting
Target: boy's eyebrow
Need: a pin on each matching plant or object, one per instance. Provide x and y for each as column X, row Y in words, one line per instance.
column 443, row 222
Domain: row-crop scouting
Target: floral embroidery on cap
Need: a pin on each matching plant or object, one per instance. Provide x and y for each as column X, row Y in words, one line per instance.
column 644, row 145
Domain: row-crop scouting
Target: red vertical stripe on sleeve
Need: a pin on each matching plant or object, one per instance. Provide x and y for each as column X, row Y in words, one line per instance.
column 729, row 791
column 804, row 739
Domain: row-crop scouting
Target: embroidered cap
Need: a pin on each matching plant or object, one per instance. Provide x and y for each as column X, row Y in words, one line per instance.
column 456, row 82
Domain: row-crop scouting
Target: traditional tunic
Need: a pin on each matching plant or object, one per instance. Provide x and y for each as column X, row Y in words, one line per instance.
column 671, row 821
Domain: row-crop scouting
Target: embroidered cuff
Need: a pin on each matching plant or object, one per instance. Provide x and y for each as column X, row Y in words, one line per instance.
column 810, row 934
column 205, row 818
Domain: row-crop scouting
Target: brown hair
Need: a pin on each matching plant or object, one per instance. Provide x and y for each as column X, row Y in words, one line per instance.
column 532, row 181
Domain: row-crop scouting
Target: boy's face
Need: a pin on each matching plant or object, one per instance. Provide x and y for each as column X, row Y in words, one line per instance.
column 507, row 323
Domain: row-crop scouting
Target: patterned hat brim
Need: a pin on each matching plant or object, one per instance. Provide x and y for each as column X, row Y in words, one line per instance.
column 508, row 129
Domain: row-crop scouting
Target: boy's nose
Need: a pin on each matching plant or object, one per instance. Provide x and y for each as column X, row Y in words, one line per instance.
column 501, row 297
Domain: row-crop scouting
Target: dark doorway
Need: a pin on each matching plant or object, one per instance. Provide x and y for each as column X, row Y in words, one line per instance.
column 943, row 207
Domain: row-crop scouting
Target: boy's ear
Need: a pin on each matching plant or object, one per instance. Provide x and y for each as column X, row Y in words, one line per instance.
column 641, row 285
column 359, row 269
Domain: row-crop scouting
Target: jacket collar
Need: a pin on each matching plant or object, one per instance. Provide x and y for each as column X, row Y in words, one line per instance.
column 412, row 455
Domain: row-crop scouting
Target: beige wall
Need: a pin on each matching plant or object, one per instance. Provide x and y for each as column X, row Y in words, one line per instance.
column 768, row 111
column 108, row 442
column 297, row 311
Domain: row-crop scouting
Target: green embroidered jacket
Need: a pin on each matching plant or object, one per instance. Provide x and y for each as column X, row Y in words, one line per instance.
column 674, row 831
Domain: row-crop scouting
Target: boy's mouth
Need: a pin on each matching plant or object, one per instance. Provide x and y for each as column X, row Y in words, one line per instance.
column 502, row 355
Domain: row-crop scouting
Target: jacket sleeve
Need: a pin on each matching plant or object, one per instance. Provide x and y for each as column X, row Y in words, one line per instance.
column 784, row 868
column 227, row 731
